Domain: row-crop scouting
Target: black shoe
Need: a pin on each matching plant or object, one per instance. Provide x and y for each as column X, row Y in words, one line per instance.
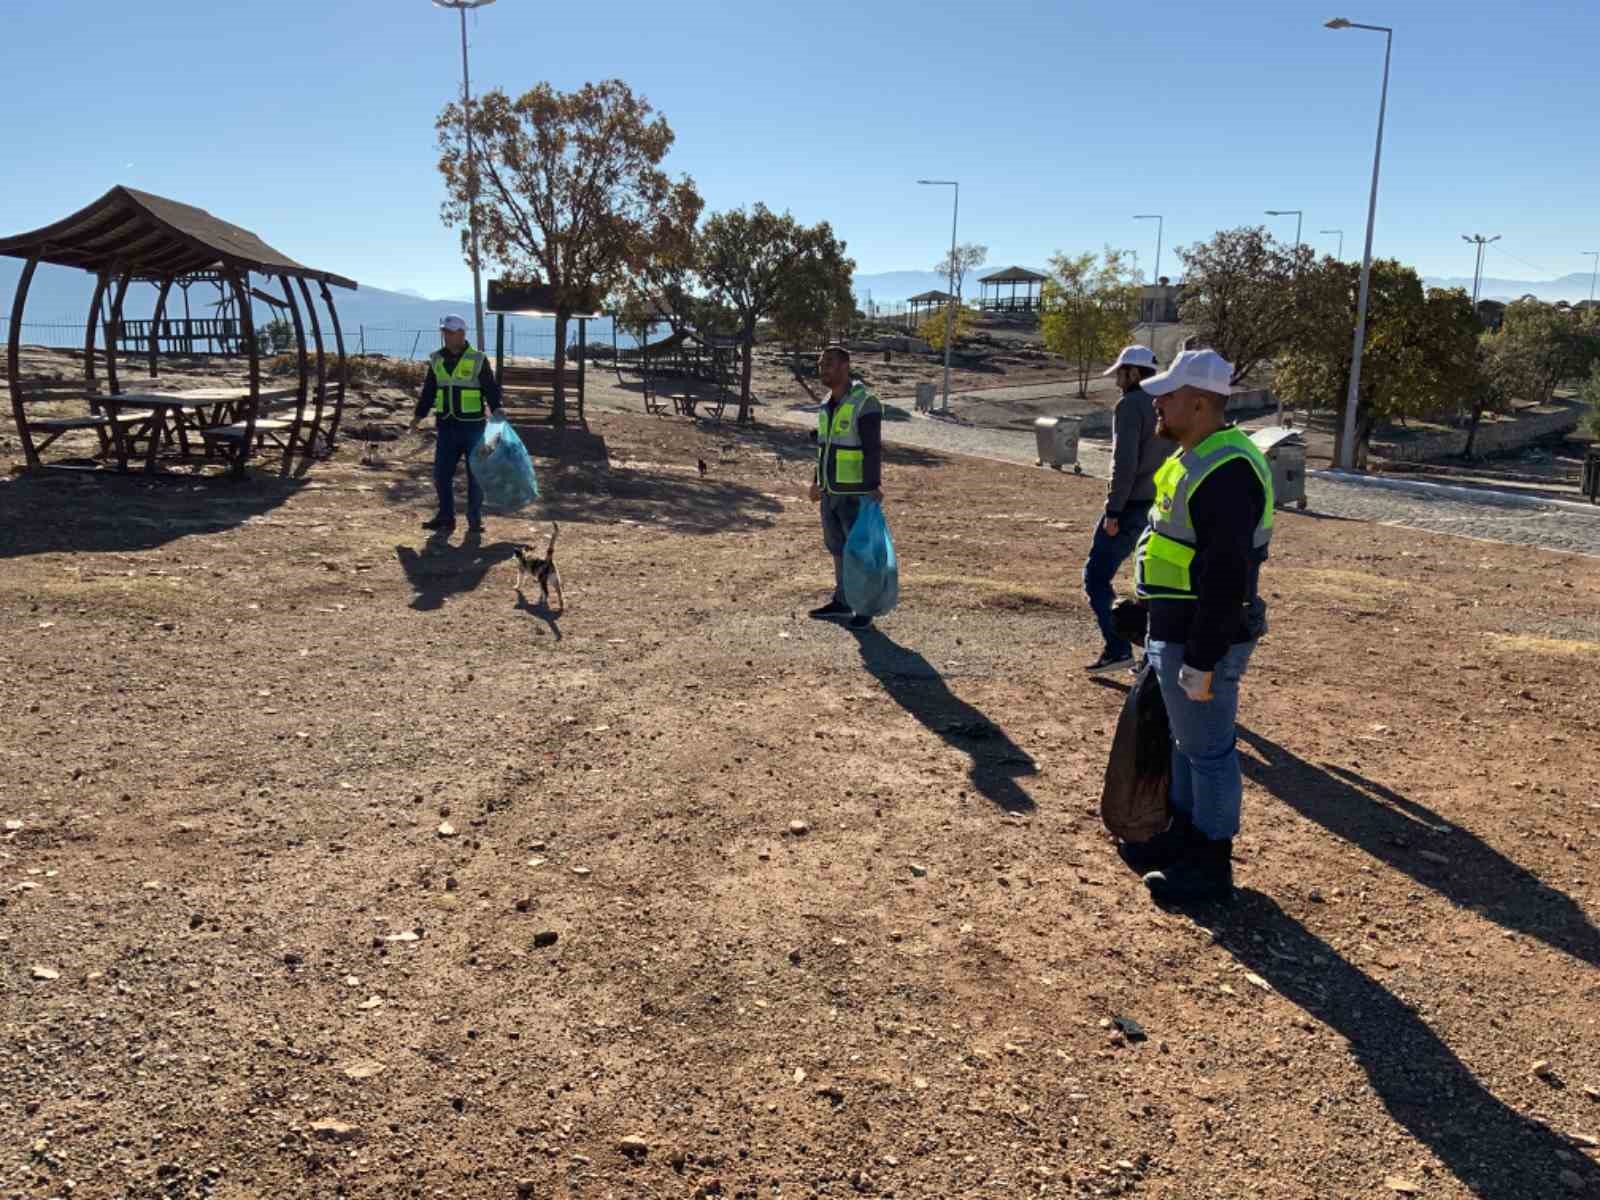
column 1110, row 662
column 1161, row 851
column 859, row 622
column 830, row 611
column 1203, row 875
column 440, row 523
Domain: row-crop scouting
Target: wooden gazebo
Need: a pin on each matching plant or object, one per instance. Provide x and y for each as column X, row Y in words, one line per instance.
column 1031, row 282
column 925, row 304
column 129, row 236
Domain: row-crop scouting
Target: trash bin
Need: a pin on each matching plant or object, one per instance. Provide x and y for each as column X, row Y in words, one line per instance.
column 1285, row 450
column 1057, row 438
column 1591, row 474
column 924, row 397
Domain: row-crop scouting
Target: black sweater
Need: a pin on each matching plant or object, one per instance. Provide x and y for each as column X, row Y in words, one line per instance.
column 1225, row 510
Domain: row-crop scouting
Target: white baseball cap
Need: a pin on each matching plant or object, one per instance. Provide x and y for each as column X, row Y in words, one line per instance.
column 1203, row 369
column 453, row 323
column 1133, row 356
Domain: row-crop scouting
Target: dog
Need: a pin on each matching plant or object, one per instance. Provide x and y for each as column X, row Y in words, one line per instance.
column 544, row 570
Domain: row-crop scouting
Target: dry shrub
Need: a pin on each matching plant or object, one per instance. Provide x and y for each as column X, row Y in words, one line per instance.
column 374, row 370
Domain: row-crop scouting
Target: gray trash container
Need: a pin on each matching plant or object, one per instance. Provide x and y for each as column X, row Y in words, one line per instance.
column 1057, row 438
column 1285, row 451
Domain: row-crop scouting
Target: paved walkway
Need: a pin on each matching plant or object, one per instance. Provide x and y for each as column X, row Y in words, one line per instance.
column 1485, row 516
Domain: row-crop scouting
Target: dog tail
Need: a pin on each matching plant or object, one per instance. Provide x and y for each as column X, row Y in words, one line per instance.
column 550, row 551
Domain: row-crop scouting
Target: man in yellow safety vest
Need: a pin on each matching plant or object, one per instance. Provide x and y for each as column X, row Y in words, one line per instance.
column 461, row 390
column 1197, row 567
column 849, row 468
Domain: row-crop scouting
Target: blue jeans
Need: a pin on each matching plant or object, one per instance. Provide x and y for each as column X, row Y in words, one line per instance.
column 1106, row 557
column 1207, row 786
column 456, row 440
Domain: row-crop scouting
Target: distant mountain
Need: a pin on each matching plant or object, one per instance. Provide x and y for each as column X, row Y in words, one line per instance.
column 1571, row 288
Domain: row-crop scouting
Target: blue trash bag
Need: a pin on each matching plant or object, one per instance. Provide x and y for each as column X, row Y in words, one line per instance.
column 871, row 572
column 503, row 469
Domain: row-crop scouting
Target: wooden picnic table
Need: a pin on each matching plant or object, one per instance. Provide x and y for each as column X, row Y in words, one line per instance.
column 195, row 410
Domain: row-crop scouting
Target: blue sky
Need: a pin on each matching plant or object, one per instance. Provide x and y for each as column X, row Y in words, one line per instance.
column 311, row 121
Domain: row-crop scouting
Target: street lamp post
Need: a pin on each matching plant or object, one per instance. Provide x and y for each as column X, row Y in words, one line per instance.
column 1340, row 232
column 1298, row 218
column 950, row 306
column 1348, row 457
column 1595, row 274
column 1477, row 270
column 1161, row 225
column 472, row 171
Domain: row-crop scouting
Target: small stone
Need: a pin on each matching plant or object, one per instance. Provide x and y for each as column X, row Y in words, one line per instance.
column 1404, row 1186
column 446, row 830
column 451, row 883
column 1255, row 980
column 1587, row 1140
column 330, row 1130
column 151, row 885
column 1543, row 1070
column 582, row 872
column 1437, row 859
column 799, row 1074
column 527, row 1189
column 405, row 935
column 536, row 848
column 799, row 828
column 13, row 826
column 352, row 981
column 371, row 1003
column 524, row 904
column 536, row 862
column 634, row 1146
column 794, row 956
column 1317, row 897
column 919, row 871
column 362, row 1070
column 1592, row 1092
column 46, row 974
column 545, row 938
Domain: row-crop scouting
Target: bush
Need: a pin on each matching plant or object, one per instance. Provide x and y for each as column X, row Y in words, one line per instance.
column 1589, row 393
column 374, row 371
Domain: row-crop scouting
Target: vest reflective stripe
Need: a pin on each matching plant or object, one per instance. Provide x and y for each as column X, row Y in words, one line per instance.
column 455, row 392
column 841, row 461
column 1166, row 548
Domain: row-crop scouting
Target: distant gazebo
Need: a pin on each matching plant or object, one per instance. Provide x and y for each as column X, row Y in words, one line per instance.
column 1031, row 282
column 926, row 304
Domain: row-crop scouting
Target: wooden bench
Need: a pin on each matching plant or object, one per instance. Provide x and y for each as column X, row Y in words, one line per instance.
column 538, row 380
column 111, row 433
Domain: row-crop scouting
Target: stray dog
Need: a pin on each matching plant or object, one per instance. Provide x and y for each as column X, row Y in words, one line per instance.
column 544, row 570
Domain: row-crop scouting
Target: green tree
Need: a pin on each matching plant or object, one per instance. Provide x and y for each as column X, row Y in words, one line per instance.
column 1420, row 352
column 763, row 265
column 1500, row 375
column 570, row 192
column 1088, row 306
column 931, row 328
column 1589, row 392
column 1245, row 294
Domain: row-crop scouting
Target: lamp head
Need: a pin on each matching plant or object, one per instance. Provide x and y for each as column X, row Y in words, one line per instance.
column 1337, row 23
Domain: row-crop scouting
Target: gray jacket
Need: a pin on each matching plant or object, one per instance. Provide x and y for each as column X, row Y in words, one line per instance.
column 1136, row 452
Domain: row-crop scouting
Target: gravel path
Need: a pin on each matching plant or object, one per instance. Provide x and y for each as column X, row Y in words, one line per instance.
column 1485, row 517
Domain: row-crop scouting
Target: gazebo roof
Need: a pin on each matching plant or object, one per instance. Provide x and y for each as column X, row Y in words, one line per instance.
column 934, row 297
column 153, row 237
column 1014, row 275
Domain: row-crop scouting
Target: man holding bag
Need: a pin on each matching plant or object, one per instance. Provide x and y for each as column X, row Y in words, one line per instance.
column 849, row 469
column 461, row 389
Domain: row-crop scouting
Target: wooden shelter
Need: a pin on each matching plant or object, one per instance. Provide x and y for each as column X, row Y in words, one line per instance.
column 129, row 236
column 925, row 304
column 1031, row 282
column 512, row 298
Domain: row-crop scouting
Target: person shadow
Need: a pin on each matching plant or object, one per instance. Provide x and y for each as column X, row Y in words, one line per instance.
column 916, row 686
column 1494, row 1151
column 1399, row 832
column 440, row 570
column 542, row 611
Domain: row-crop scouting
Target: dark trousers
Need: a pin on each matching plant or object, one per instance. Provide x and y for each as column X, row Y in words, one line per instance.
column 1106, row 556
column 456, row 441
column 839, row 514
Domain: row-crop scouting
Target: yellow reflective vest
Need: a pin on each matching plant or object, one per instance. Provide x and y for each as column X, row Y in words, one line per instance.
column 456, row 393
column 841, row 459
column 1167, row 548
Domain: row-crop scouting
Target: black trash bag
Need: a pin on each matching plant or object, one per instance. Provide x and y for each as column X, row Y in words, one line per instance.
column 1135, row 804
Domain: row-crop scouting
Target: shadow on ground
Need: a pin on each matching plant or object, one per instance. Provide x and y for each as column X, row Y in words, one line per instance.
column 440, row 570
column 1396, row 830
column 1493, row 1150
column 916, row 686
column 51, row 511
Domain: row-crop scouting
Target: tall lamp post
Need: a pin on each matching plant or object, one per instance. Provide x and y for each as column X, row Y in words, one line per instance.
column 1348, row 456
column 950, row 307
column 1477, row 269
column 1298, row 218
column 1595, row 254
column 1340, row 232
column 1161, row 225
column 472, row 171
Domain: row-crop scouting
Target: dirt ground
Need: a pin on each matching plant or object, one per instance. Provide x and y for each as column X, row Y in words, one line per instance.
column 332, row 867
